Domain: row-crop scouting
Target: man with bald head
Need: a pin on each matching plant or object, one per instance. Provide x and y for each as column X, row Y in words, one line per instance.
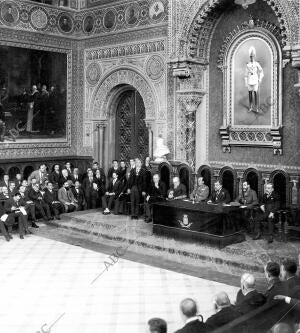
column 248, row 298
column 225, row 312
column 178, row 190
column 193, row 322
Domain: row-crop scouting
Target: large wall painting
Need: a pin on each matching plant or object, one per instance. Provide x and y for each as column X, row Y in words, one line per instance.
column 252, row 83
column 33, row 95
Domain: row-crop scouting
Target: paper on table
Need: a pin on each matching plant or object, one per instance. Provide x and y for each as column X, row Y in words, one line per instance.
column 23, row 211
column 4, row 217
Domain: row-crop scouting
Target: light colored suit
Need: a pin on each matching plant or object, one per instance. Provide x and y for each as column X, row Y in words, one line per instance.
column 40, row 177
column 66, row 196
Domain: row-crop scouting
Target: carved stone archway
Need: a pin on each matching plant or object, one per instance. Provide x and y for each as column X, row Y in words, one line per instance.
column 199, row 23
column 105, row 100
column 99, row 107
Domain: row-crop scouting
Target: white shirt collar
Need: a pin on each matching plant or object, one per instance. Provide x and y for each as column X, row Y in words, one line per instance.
column 192, row 319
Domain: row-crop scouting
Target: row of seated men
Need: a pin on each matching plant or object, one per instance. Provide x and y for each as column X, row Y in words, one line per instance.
column 283, row 291
column 69, row 190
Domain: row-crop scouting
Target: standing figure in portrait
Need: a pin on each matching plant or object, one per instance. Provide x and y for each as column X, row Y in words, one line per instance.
column 88, row 24
column 253, row 78
column 131, row 16
column 9, row 16
column 3, row 101
column 65, row 23
column 109, row 19
column 33, row 107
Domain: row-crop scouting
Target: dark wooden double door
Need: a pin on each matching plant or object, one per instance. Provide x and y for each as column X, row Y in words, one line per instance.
column 132, row 138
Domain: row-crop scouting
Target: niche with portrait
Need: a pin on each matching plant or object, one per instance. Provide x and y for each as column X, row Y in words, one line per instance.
column 251, row 61
column 33, row 95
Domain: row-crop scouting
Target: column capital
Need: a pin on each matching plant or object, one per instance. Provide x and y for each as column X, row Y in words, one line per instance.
column 101, row 123
column 295, row 55
column 190, row 100
column 149, row 123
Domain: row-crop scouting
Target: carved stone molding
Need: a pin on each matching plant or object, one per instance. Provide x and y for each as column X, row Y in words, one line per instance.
column 100, row 98
column 197, row 23
column 190, row 101
column 295, row 54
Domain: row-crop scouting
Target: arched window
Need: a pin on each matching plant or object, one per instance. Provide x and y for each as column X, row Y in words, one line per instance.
column 165, row 175
column 2, row 172
column 205, row 172
column 280, row 182
column 27, row 171
column 12, row 172
column 184, row 175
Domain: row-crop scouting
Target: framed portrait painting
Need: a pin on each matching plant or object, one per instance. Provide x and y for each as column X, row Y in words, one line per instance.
column 252, row 76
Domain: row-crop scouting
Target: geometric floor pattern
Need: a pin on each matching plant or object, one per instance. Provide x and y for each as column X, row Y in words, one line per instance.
column 46, row 285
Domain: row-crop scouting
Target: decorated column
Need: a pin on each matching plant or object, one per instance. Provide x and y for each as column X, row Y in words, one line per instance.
column 101, row 137
column 295, row 53
column 189, row 78
column 190, row 102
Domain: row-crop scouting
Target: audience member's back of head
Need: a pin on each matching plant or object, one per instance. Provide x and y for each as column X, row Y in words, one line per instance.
column 188, row 307
column 157, row 325
column 290, row 266
column 248, row 281
column 222, row 300
column 273, row 269
column 282, row 328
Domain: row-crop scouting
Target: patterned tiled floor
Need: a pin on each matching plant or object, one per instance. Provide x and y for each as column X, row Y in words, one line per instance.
column 42, row 280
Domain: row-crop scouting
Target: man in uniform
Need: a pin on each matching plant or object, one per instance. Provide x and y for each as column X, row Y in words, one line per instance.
column 201, row 191
column 253, row 77
column 270, row 204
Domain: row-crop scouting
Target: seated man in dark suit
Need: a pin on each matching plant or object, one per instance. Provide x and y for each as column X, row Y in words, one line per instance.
column 17, row 212
column 193, row 322
column 177, row 191
column 248, row 199
column 35, row 195
column 157, row 325
column 276, row 287
column 225, row 312
column 156, row 192
column 111, row 196
column 270, row 204
column 79, row 196
column 28, row 204
column 51, row 199
column 5, row 220
column 288, row 274
column 219, row 195
column 248, row 298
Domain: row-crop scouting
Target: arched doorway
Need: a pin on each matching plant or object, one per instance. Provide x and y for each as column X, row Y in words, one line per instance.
column 132, row 139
